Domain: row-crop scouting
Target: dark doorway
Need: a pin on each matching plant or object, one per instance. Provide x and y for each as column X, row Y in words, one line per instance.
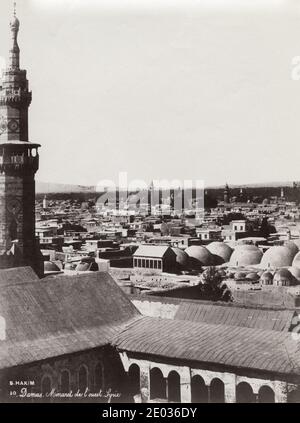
column 174, row 387
column 157, row 384
column 199, row 390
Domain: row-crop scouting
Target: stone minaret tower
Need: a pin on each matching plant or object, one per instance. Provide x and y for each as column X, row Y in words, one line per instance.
column 226, row 194
column 19, row 161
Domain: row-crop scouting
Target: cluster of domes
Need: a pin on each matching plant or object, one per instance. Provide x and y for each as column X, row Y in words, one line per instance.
column 214, row 254
column 242, row 255
column 282, row 277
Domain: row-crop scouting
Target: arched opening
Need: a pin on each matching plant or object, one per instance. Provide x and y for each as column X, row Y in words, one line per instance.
column 99, row 379
column 217, row 391
column 199, row 390
column 134, row 379
column 157, row 384
column 65, row 381
column 244, row 393
column 174, row 387
column 82, row 379
column 266, row 395
column 46, row 388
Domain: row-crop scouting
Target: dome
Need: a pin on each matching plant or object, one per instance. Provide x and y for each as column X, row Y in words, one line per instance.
column 296, row 261
column 221, row 250
column 292, row 246
column 252, row 276
column 239, row 276
column 283, row 277
column 277, row 257
column 182, row 259
column 49, row 266
column 266, row 278
column 295, row 271
column 297, row 242
column 199, row 255
column 245, row 255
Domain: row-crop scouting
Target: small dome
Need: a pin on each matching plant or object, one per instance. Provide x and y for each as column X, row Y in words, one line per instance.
column 199, row 255
column 245, row 255
column 292, row 246
column 221, row 250
column 277, row 257
column 252, row 276
column 49, row 266
column 283, row 277
column 182, row 259
column 266, row 278
column 239, row 276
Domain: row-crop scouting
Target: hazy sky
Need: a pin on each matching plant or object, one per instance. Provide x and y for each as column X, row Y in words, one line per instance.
column 161, row 89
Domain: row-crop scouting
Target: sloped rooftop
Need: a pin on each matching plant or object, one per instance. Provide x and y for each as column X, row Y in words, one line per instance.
column 17, row 275
column 275, row 352
column 60, row 315
column 278, row 320
column 155, row 251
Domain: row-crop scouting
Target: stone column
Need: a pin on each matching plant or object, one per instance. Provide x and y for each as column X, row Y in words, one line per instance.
column 145, row 383
column 230, row 388
column 185, row 386
column 281, row 391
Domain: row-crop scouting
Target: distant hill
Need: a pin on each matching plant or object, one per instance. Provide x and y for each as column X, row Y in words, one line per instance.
column 51, row 188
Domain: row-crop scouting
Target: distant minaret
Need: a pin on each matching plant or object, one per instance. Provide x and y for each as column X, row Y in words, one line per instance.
column 226, row 194
column 19, row 161
column 282, row 193
column 45, row 205
column 149, row 199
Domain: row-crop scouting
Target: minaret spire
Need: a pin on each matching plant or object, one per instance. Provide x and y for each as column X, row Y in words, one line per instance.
column 14, row 52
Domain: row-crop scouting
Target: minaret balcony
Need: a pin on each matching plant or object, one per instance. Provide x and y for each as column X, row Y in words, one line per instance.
column 16, row 98
column 19, row 164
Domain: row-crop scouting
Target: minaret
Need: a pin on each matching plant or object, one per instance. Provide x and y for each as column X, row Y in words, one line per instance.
column 226, row 194
column 45, row 204
column 19, row 162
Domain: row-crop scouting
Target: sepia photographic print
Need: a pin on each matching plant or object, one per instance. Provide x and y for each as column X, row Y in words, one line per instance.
column 149, row 203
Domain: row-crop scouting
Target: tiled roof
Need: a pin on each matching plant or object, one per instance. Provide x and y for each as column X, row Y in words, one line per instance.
column 279, row 320
column 17, row 275
column 60, row 315
column 155, row 251
column 275, row 352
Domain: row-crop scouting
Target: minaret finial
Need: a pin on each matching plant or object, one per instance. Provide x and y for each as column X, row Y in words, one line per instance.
column 14, row 52
column 15, row 8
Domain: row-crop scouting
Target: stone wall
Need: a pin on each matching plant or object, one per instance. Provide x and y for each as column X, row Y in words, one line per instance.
column 100, row 364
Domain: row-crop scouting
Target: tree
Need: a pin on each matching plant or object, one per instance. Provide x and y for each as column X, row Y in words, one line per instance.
column 211, row 282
